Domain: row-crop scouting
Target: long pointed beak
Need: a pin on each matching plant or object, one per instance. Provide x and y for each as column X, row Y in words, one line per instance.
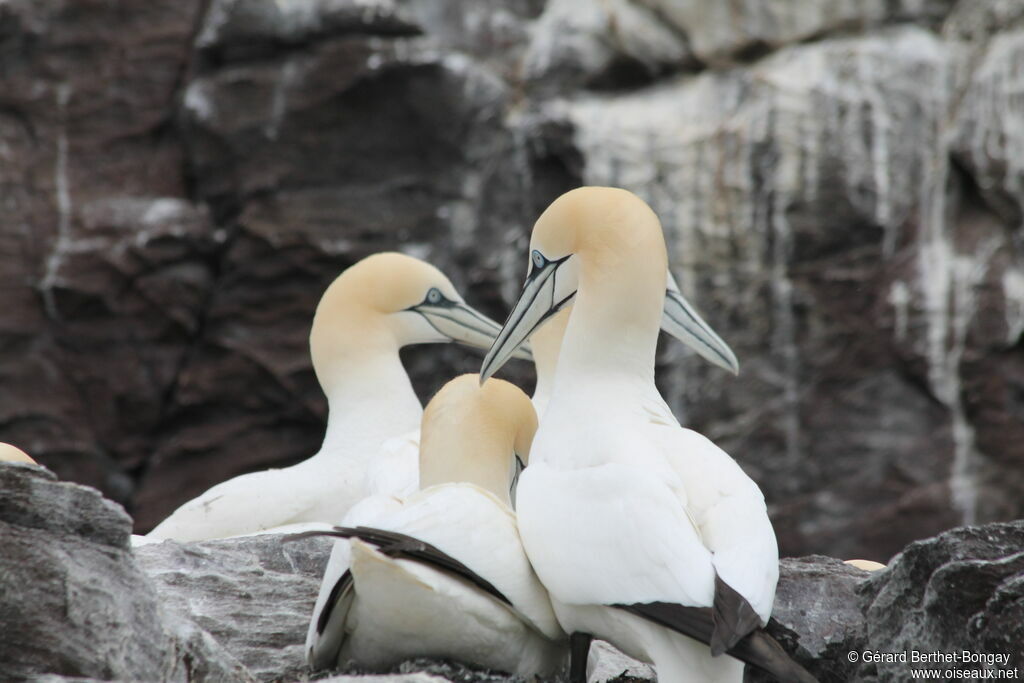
column 465, row 325
column 685, row 324
column 539, row 300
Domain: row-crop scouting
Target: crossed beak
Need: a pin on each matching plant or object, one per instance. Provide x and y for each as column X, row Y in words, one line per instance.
column 459, row 323
column 541, row 298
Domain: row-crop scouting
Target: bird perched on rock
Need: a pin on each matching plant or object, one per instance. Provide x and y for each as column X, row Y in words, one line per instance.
column 442, row 573
column 645, row 534
column 372, row 310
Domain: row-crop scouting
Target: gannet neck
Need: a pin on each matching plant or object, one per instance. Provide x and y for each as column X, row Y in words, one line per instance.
column 369, row 399
column 618, row 307
column 546, row 342
column 472, row 433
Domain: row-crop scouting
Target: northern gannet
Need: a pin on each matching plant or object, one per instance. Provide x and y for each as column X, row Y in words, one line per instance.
column 443, row 573
column 9, row 453
column 679, row 319
column 374, row 308
column 645, row 534
column 866, row 565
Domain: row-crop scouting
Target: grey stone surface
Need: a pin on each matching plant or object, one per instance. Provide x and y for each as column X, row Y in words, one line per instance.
column 608, row 664
column 237, row 609
column 253, row 595
column 817, row 616
column 840, row 183
column 72, row 600
column 960, row 591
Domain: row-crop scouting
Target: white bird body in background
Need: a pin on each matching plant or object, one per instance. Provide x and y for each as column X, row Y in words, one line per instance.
column 640, row 530
column 9, row 453
column 442, row 573
column 369, row 312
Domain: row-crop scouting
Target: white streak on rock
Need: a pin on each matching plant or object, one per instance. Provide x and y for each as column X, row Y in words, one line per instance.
column 279, row 100
column 198, row 101
column 1013, row 296
column 899, row 297
column 64, row 205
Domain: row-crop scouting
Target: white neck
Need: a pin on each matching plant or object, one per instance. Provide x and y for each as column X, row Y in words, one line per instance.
column 547, row 344
column 370, row 399
column 613, row 330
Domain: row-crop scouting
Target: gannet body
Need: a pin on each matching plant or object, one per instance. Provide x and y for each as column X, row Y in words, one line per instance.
column 442, row 573
column 9, row 453
column 639, row 529
column 366, row 315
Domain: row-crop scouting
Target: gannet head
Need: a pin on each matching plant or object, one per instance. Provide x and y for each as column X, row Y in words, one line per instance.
column 477, row 434
column 9, row 453
column 388, row 301
column 589, row 232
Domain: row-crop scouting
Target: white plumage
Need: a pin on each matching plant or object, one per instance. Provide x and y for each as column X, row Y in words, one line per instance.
column 620, row 506
column 391, row 608
column 374, row 308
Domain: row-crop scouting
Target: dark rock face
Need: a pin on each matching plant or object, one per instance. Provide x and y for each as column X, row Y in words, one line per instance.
column 961, row 591
column 841, row 191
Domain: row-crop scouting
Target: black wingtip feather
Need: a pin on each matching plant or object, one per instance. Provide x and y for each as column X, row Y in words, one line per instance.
column 325, row 613
column 756, row 648
column 401, row 546
column 732, row 616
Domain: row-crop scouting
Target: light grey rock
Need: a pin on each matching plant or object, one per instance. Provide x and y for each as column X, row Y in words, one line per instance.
column 254, row 595
column 245, row 28
column 817, row 616
column 990, row 124
column 608, row 664
column 726, row 31
column 72, row 600
column 602, row 44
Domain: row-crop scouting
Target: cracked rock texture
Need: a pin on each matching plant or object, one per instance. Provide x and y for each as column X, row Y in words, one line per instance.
column 961, row 591
column 77, row 603
column 73, row 601
column 841, row 185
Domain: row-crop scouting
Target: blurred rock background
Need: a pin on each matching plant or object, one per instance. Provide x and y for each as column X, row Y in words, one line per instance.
column 841, row 184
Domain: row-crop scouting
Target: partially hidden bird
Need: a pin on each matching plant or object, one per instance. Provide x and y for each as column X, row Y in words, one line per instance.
column 442, row 573
column 9, row 453
column 370, row 311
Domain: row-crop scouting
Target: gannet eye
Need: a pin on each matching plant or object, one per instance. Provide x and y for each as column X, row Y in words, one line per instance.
column 538, row 259
column 434, row 296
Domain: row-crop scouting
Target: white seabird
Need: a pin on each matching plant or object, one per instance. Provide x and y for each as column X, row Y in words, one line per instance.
column 9, row 453
column 443, row 573
column 645, row 534
column 374, row 308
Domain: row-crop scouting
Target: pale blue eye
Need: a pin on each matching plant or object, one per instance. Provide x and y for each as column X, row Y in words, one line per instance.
column 434, row 296
column 538, row 259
